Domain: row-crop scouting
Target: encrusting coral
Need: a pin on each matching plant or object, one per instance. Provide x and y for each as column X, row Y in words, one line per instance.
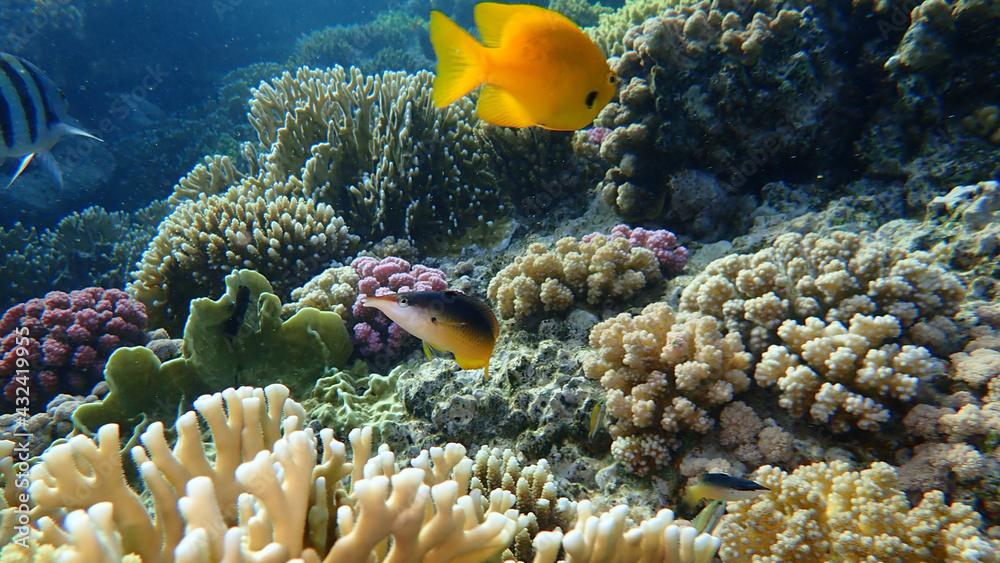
column 831, row 277
column 829, row 512
column 264, row 496
column 594, row 269
column 664, row 373
column 839, row 375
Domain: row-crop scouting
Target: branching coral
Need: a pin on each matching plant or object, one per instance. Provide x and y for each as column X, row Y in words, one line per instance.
column 264, row 496
column 840, row 374
column 594, row 270
column 751, row 81
column 832, row 278
column 365, row 45
column 377, row 150
column 827, row 512
column 284, row 238
column 663, row 373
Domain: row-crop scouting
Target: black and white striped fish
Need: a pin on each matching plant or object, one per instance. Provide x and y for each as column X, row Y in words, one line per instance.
column 33, row 116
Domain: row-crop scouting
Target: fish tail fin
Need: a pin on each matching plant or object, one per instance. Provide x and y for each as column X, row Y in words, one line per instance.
column 50, row 165
column 20, row 169
column 461, row 60
column 73, row 130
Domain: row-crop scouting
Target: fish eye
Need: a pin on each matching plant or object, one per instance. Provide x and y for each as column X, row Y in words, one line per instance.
column 591, row 96
column 612, row 78
column 404, row 301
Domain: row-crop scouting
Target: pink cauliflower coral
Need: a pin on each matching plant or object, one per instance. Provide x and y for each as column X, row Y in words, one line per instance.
column 671, row 255
column 373, row 332
column 64, row 340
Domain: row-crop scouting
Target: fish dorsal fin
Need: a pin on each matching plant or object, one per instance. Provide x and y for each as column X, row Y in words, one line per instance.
column 492, row 18
column 498, row 107
column 73, row 130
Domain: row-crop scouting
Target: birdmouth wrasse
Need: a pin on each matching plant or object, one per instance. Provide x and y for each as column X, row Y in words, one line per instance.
column 33, row 116
column 446, row 321
column 539, row 68
column 719, row 486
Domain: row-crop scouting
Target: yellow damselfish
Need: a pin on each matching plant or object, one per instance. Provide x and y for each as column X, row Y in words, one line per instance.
column 539, row 68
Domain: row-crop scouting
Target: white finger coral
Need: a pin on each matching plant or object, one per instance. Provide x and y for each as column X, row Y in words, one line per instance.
column 663, row 374
column 827, row 512
column 266, row 496
column 840, row 375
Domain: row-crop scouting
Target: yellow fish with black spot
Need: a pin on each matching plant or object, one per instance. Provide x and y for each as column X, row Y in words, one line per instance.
column 447, row 321
column 539, row 68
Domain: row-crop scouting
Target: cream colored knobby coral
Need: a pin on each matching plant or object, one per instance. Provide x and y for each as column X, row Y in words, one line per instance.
column 263, row 497
column 839, row 375
column 827, row 512
column 831, row 277
column 663, row 373
column 593, row 271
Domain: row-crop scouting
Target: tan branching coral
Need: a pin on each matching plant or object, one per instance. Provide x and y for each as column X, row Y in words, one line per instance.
column 334, row 289
column 284, row 238
column 263, row 496
column 827, row 512
column 575, row 271
column 663, row 373
column 839, row 375
column 377, row 150
column 832, row 278
column 214, row 175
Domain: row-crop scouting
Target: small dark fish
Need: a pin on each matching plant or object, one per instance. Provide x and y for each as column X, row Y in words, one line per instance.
column 232, row 326
column 719, row 486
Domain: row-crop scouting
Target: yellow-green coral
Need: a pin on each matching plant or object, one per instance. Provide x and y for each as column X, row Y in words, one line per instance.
column 611, row 27
column 827, row 512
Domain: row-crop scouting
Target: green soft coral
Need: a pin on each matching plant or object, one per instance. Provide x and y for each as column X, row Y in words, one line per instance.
column 223, row 348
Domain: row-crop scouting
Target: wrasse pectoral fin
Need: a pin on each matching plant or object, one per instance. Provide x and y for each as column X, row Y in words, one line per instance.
column 500, row 108
column 433, row 352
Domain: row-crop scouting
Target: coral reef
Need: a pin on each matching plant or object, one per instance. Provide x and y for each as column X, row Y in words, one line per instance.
column 716, row 74
column 224, row 342
column 594, row 270
column 377, row 150
column 664, row 373
column 828, row 511
column 265, row 495
column 840, row 374
column 385, row 43
column 831, row 277
column 60, row 343
column 284, row 238
column 92, row 247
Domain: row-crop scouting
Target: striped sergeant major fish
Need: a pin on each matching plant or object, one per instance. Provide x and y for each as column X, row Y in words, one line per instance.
column 33, row 116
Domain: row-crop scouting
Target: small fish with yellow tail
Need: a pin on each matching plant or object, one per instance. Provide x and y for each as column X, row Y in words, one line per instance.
column 719, row 486
column 446, row 321
column 539, row 68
